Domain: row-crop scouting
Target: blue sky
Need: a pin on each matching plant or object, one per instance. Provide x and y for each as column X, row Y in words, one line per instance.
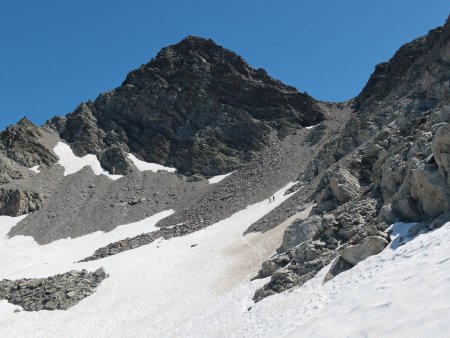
column 57, row 53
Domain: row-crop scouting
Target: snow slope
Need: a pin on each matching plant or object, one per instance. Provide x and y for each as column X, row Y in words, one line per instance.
column 218, row 178
column 72, row 163
column 167, row 288
column 144, row 166
column 170, row 289
column 35, row 169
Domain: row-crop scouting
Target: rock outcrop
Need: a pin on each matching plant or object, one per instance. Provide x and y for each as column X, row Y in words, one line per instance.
column 17, row 202
column 300, row 231
column 58, row 292
column 23, row 143
column 115, row 160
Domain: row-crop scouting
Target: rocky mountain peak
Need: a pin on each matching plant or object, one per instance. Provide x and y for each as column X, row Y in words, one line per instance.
column 195, row 106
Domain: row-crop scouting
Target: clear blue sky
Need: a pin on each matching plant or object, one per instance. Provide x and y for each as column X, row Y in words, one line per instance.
column 57, row 53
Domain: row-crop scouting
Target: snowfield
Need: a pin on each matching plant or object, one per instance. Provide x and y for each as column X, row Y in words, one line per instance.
column 35, row 169
column 173, row 289
column 72, row 164
column 146, row 166
column 218, row 178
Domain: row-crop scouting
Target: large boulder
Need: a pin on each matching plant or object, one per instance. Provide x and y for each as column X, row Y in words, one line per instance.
column 115, row 160
column 269, row 266
column 430, row 190
column 344, row 186
column 338, row 266
column 441, row 149
column 301, row 230
column 369, row 246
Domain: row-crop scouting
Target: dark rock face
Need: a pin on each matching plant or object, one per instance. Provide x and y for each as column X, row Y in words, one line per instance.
column 16, row 202
column 115, row 160
column 21, row 143
column 196, row 106
column 58, row 292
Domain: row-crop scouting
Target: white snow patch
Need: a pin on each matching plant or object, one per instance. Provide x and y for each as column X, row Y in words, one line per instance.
column 402, row 292
column 144, row 166
column 170, row 289
column 218, row 178
column 166, row 288
column 73, row 164
column 311, row 127
column 35, row 169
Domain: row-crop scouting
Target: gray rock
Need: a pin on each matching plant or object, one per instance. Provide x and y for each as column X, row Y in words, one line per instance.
column 344, row 186
column 339, row 265
column 372, row 245
column 441, row 150
column 301, row 230
column 16, row 202
column 444, row 115
column 429, row 188
column 51, row 305
column 269, row 267
column 100, row 272
column 115, row 160
column 58, row 292
column 439, row 221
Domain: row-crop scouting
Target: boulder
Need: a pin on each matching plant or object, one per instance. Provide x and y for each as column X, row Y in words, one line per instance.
column 444, row 115
column 344, row 186
column 339, row 265
column 386, row 215
column 369, row 246
column 439, row 221
column 441, row 150
column 301, row 230
column 406, row 209
column 269, row 266
column 430, row 190
column 115, row 160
